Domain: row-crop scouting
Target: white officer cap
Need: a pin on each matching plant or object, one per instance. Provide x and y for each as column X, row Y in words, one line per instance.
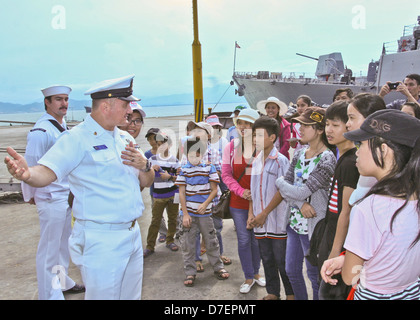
column 121, row 88
column 55, row 90
column 135, row 106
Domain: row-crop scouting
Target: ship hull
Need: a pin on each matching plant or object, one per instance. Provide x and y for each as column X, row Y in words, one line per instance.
column 256, row 90
column 392, row 67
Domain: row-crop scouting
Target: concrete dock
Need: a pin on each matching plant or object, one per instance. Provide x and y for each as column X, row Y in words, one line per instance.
column 163, row 270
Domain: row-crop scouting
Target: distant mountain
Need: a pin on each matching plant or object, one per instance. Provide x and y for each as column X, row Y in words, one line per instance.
column 6, row 107
column 224, row 93
column 211, row 95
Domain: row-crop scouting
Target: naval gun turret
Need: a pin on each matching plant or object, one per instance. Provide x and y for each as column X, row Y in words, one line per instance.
column 330, row 68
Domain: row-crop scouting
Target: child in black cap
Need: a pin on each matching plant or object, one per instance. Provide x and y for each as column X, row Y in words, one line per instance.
column 382, row 245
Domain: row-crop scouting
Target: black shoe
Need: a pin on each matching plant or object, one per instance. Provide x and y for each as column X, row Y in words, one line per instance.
column 78, row 288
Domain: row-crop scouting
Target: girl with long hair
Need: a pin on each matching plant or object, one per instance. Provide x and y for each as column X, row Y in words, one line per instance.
column 359, row 108
column 236, row 174
column 382, row 257
column 305, row 188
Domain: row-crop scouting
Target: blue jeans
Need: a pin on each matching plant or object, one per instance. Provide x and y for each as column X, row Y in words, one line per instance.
column 273, row 255
column 248, row 249
column 297, row 246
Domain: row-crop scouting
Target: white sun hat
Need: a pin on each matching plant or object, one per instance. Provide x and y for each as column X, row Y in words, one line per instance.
column 249, row 115
column 282, row 106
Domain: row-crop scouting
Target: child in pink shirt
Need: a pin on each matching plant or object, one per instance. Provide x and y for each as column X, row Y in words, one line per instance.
column 382, row 246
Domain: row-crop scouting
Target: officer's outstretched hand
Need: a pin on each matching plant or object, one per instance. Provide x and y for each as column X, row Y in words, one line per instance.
column 17, row 165
column 133, row 157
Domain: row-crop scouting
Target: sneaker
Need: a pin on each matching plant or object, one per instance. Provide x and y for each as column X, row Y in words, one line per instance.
column 245, row 287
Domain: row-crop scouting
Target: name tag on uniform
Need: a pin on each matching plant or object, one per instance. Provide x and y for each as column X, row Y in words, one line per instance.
column 101, row 147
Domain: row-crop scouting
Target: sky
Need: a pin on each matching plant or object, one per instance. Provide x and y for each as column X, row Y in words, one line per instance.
column 82, row 42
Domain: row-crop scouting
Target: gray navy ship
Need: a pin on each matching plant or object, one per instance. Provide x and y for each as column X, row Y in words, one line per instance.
column 331, row 75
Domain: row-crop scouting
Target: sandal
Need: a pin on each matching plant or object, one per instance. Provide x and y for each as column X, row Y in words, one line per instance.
column 147, row 253
column 172, row 246
column 199, row 266
column 190, row 280
column 162, row 238
column 270, row 297
column 226, row 261
column 219, row 274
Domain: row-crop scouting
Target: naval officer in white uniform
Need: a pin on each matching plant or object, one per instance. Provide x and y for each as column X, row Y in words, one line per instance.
column 105, row 173
column 52, row 258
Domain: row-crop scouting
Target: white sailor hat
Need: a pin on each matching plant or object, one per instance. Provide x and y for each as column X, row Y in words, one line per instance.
column 121, row 88
column 55, row 90
column 135, row 106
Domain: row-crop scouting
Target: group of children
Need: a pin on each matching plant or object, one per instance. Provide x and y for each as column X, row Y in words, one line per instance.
column 298, row 208
column 187, row 186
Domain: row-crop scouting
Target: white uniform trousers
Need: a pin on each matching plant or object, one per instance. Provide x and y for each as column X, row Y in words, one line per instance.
column 52, row 257
column 110, row 258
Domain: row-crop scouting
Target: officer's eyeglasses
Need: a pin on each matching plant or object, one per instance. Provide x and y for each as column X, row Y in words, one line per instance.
column 357, row 144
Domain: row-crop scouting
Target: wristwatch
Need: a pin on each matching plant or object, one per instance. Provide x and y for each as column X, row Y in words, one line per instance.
column 148, row 167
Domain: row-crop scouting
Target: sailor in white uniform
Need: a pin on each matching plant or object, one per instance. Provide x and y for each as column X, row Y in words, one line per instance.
column 52, row 258
column 105, row 173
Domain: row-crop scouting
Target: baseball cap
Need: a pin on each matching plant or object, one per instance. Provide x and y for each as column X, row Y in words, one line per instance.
column 237, row 109
column 389, row 124
column 151, row 131
column 312, row 115
column 202, row 125
column 135, row 106
column 162, row 136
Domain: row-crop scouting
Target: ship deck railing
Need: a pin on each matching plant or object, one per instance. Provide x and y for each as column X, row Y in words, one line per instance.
column 300, row 79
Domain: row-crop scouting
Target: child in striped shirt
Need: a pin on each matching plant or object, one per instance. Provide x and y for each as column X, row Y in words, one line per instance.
column 165, row 166
column 197, row 182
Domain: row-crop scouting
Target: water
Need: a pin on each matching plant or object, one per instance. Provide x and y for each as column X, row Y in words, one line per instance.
column 156, row 111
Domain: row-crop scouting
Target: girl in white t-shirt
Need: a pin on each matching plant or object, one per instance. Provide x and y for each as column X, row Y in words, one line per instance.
column 382, row 246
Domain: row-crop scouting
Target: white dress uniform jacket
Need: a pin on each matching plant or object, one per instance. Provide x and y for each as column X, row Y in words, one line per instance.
column 52, row 258
column 106, row 242
column 105, row 190
column 39, row 140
